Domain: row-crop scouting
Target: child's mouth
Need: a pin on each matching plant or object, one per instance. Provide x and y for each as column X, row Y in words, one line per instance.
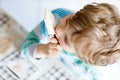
column 57, row 38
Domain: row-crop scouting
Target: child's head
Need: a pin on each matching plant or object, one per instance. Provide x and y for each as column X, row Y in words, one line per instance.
column 93, row 33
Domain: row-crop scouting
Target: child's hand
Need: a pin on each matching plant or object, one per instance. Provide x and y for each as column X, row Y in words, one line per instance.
column 54, row 48
column 51, row 49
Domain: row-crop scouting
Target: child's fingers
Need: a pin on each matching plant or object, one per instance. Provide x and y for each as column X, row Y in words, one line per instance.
column 55, row 46
column 53, row 40
column 59, row 47
column 53, row 52
column 52, row 45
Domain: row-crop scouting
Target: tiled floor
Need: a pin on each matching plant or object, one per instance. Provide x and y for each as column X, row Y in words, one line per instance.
column 17, row 68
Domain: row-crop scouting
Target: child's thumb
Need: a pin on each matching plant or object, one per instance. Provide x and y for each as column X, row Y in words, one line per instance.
column 53, row 40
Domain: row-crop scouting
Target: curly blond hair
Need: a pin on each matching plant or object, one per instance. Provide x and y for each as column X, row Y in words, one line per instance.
column 98, row 26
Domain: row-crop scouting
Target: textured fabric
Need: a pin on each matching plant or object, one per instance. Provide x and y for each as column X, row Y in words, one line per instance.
column 79, row 67
column 40, row 36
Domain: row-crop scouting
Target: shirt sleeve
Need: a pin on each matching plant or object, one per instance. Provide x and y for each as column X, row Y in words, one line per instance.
column 36, row 37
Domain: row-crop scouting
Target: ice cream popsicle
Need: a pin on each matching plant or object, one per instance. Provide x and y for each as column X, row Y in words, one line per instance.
column 50, row 23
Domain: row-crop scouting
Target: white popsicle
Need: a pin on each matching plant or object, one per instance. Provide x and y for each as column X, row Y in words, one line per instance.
column 50, row 23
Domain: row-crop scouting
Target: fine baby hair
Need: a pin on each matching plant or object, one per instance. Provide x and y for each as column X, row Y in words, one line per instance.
column 99, row 28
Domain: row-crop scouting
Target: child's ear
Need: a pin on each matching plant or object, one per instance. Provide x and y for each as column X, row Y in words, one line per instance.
column 5, row 44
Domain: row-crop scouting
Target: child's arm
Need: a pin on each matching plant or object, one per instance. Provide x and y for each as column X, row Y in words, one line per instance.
column 38, row 38
column 51, row 49
column 36, row 44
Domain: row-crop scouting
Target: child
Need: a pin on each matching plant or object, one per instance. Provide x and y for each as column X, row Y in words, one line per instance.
column 91, row 34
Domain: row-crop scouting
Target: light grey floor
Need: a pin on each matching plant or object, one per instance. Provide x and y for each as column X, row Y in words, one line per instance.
column 44, row 69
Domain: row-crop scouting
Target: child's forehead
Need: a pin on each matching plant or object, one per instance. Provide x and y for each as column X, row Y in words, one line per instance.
column 65, row 20
column 67, row 17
